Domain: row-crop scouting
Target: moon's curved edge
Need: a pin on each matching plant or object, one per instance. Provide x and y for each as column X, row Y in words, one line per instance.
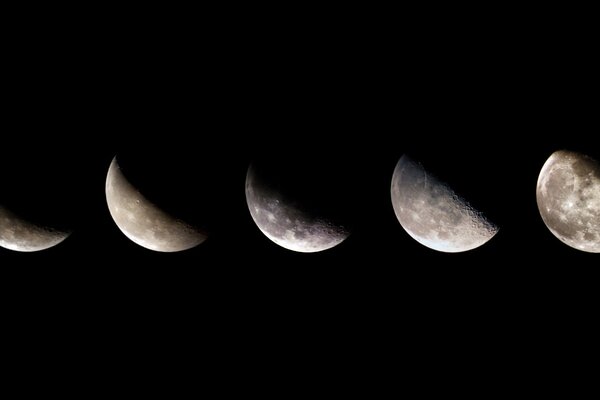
column 18, row 234
column 335, row 234
column 124, row 203
column 542, row 195
column 482, row 229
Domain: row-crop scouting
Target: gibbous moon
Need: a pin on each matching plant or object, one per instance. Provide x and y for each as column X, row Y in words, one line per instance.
column 21, row 235
column 433, row 214
column 288, row 223
column 568, row 197
column 142, row 221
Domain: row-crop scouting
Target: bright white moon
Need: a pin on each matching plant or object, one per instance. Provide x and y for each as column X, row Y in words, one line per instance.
column 568, row 197
column 432, row 214
column 142, row 221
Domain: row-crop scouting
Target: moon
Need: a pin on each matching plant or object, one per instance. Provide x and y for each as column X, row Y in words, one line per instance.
column 142, row 221
column 433, row 214
column 568, row 198
column 288, row 223
column 19, row 234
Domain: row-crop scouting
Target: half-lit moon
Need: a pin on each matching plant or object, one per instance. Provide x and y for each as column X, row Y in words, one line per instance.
column 144, row 222
column 433, row 214
column 18, row 234
column 568, row 197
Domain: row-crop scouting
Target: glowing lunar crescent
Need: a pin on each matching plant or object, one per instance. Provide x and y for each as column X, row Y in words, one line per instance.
column 432, row 214
column 142, row 221
column 19, row 234
column 289, row 225
column 568, row 197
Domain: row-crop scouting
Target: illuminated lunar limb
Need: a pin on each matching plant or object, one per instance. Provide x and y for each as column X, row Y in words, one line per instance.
column 568, row 198
column 142, row 221
column 433, row 214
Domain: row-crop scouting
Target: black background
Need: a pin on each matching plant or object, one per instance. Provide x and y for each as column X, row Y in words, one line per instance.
column 486, row 107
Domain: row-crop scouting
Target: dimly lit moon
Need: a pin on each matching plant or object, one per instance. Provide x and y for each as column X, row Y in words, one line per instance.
column 142, row 221
column 568, row 197
column 288, row 224
column 433, row 214
column 19, row 234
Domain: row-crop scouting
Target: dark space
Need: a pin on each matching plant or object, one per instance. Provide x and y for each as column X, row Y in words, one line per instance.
column 187, row 117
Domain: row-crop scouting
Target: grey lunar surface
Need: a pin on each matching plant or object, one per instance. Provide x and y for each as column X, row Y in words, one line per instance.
column 568, row 198
column 142, row 221
column 286, row 223
column 432, row 214
column 21, row 235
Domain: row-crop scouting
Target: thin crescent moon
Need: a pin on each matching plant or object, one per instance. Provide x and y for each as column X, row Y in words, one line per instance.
column 142, row 221
column 433, row 214
column 19, row 234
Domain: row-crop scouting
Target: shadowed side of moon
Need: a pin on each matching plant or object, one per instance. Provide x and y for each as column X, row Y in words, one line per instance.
column 142, row 221
column 288, row 222
column 568, row 198
column 19, row 234
column 433, row 214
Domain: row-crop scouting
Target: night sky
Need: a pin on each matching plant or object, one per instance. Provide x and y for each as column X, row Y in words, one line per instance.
column 191, row 115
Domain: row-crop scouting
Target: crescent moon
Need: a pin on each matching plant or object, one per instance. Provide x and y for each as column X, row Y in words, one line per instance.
column 288, row 224
column 142, row 221
column 433, row 214
column 19, row 234
column 568, row 198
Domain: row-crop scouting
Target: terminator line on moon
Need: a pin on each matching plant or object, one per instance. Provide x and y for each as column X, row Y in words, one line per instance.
column 21, row 235
column 568, row 198
column 142, row 221
column 432, row 214
column 288, row 224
